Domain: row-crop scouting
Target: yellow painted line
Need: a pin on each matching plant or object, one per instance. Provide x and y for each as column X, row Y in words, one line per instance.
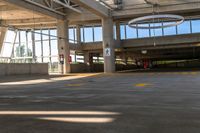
column 142, row 85
column 194, row 73
column 75, row 85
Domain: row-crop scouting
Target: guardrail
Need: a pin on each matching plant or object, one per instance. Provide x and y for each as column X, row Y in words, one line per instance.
column 53, row 67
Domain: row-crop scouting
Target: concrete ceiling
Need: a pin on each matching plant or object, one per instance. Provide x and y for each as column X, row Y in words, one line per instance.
column 10, row 12
column 20, row 16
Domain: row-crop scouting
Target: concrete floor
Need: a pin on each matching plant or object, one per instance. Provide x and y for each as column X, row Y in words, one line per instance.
column 165, row 102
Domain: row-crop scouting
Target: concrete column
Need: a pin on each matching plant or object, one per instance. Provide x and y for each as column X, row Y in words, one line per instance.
column 3, row 31
column 118, row 31
column 86, row 57
column 108, row 45
column 33, row 45
column 63, row 45
column 78, row 34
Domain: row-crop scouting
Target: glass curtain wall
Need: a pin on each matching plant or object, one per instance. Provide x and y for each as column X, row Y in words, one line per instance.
column 91, row 34
column 187, row 27
column 18, row 45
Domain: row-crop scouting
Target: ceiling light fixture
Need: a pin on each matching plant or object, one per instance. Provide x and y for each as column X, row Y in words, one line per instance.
column 140, row 21
column 137, row 22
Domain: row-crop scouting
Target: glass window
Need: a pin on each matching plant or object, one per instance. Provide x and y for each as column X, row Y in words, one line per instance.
column 46, row 59
column 38, row 51
column 97, row 34
column 45, row 34
column 184, row 28
column 53, row 34
column 142, row 33
column 88, row 32
column 122, row 32
column 17, row 38
column 46, row 48
column 131, row 32
column 7, row 50
column 22, row 36
column 30, row 47
column 10, row 36
column 54, row 47
column 195, row 26
column 71, row 35
column 37, row 35
column 156, row 32
column 54, row 59
column 82, row 35
column 39, row 59
column 169, row 30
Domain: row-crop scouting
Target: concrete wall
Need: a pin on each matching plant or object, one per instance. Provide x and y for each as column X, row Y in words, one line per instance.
column 186, row 64
column 176, row 40
column 79, row 68
column 23, row 69
column 83, row 68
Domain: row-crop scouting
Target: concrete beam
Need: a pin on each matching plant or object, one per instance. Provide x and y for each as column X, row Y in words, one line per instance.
column 94, row 7
column 35, row 8
column 30, row 21
column 161, row 41
column 176, row 8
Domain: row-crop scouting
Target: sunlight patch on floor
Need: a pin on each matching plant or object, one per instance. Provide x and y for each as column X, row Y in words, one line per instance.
column 79, row 120
column 37, row 81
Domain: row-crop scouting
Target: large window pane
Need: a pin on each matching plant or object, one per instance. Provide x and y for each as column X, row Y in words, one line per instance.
column 16, row 50
column 82, row 35
column 184, row 28
column 88, row 32
column 53, row 34
column 46, row 48
column 71, row 35
column 122, row 32
column 131, row 32
column 22, row 37
column 54, row 47
column 10, row 36
column 38, row 51
column 45, row 34
column 169, row 30
column 156, row 32
column 142, row 33
column 7, row 50
column 30, row 47
column 46, row 60
column 97, row 34
column 37, row 35
column 195, row 26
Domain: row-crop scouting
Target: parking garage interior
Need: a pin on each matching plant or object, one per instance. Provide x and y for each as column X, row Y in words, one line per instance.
column 95, row 66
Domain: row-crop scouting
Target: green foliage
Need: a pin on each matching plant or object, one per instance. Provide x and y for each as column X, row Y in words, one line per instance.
column 21, row 51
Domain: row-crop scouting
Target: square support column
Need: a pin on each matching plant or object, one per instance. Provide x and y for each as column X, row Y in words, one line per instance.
column 63, row 46
column 108, row 45
column 118, row 37
column 78, row 34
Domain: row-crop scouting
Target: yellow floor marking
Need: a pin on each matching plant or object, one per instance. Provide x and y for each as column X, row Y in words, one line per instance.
column 194, row 73
column 142, row 85
column 75, row 85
